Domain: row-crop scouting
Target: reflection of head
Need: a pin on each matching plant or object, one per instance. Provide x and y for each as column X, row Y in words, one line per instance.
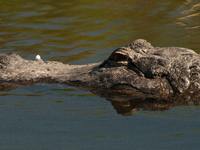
column 124, row 108
column 130, row 107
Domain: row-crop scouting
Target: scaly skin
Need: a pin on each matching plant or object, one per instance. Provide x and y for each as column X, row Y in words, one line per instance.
column 138, row 68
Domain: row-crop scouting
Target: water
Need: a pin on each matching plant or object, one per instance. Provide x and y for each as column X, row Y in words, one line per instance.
column 80, row 32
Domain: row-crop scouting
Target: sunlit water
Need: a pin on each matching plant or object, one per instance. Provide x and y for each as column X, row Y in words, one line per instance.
column 80, row 32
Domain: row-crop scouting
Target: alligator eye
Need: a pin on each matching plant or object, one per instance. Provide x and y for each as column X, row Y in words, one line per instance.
column 119, row 57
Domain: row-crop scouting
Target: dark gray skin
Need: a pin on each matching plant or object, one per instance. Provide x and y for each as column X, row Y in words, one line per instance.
column 138, row 68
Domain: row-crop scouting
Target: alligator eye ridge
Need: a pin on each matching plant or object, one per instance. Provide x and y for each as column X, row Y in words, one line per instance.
column 118, row 57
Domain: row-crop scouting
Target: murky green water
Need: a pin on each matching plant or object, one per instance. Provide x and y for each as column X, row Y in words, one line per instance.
column 80, row 32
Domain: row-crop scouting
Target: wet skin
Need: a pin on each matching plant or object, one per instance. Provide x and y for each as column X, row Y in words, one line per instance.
column 138, row 67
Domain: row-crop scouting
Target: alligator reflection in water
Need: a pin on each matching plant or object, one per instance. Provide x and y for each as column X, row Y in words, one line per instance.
column 128, row 104
column 130, row 107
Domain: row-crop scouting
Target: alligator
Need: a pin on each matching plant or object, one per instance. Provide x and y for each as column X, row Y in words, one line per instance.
column 138, row 68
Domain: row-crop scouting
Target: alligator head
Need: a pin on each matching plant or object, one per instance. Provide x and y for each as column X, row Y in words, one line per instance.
column 138, row 68
column 141, row 67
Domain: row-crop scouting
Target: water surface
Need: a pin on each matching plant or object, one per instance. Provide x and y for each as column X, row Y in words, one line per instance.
column 80, row 32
